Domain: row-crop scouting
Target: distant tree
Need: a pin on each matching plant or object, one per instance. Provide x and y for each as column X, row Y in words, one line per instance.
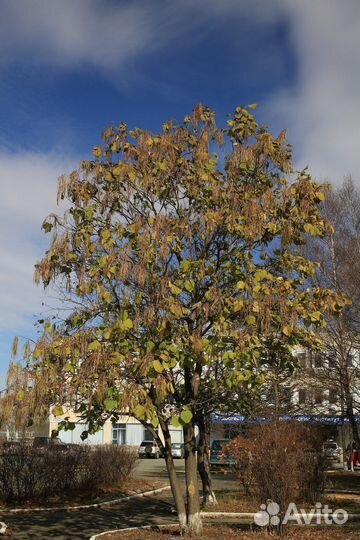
column 338, row 258
column 277, row 393
column 175, row 258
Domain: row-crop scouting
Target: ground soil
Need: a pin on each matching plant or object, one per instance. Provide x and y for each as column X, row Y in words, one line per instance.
column 233, row 533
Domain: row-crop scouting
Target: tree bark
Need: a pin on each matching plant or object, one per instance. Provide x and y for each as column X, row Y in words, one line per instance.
column 351, row 416
column 174, row 481
column 194, row 523
column 203, row 459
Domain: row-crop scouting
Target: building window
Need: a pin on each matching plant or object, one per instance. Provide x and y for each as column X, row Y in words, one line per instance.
column 332, row 395
column 302, row 359
column 319, row 396
column 148, row 436
column 332, row 361
column 119, row 434
column 318, row 360
column 302, row 395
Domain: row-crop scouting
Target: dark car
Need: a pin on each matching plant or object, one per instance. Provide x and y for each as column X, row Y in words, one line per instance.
column 49, row 443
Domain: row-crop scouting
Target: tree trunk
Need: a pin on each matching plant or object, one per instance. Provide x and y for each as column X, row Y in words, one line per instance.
column 194, row 523
column 174, row 482
column 203, row 459
column 350, row 410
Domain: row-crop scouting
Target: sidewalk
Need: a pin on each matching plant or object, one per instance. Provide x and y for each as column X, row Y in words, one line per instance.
column 81, row 524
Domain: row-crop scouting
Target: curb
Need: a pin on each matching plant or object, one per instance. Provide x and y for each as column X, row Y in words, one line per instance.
column 244, row 515
column 341, row 492
column 85, row 506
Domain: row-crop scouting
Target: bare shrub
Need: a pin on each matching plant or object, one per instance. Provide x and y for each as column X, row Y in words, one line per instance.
column 111, row 464
column 242, row 450
column 280, row 462
column 29, row 473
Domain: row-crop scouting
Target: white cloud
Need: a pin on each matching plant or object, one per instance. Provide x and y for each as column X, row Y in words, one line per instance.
column 28, row 185
column 109, row 34
column 322, row 111
column 67, row 33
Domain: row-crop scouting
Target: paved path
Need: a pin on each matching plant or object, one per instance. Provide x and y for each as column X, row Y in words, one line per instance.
column 81, row 524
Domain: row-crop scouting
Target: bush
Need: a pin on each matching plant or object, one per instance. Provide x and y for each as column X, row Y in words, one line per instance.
column 281, row 462
column 30, row 473
column 111, row 464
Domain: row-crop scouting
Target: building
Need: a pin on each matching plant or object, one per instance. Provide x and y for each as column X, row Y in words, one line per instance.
column 127, row 430
column 315, row 394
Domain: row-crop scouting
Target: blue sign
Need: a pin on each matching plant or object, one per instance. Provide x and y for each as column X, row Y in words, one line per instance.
column 308, row 418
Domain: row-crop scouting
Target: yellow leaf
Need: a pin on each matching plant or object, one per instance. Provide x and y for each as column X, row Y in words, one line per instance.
column 126, row 324
column 157, row 365
column 174, row 289
column 139, row 412
column 117, row 170
column 286, row 330
column 238, row 305
column 250, row 320
column 97, row 151
column 58, row 410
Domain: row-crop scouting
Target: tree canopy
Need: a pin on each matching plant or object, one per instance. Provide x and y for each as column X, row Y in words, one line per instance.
column 176, row 257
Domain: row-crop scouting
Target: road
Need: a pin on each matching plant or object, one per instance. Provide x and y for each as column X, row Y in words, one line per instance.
column 81, row 524
column 156, row 468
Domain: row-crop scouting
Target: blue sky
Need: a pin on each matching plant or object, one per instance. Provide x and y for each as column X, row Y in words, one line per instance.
column 68, row 69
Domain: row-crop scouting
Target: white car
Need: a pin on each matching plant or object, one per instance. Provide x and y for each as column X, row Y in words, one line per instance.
column 149, row 449
column 332, row 451
column 177, row 450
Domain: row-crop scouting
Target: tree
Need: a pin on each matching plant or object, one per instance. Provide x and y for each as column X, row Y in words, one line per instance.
column 216, row 395
column 277, row 392
column 174, row 255
column 338, row 258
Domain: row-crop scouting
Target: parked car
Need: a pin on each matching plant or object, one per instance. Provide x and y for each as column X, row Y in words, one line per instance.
column 219, row 454
column 149, row 449
column 177, row 450
column 53, row 444
column 332, row 451
column 46, row 441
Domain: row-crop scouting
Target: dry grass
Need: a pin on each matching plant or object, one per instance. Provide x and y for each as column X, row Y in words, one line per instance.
column 130, row 486
column 233, row 533
column 233, row 501
column 343, row 480
column 350, row 503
